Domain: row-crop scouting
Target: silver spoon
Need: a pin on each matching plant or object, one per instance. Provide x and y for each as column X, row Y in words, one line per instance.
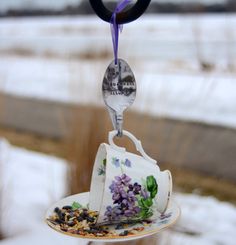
column 119, row 91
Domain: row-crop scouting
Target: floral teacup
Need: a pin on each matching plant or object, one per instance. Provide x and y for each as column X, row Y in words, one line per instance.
column 126, row 186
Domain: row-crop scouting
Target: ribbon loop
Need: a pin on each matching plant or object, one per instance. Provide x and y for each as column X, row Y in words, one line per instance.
column 116, row 28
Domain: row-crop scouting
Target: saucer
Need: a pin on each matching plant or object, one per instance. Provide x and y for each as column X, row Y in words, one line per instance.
column 141, row 230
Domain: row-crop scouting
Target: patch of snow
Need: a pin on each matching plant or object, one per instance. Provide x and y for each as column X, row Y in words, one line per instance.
column 29, row 183
column 45, row 58
column 209, row 38
column 204, row 220
column 202, row 97
column 42, row 234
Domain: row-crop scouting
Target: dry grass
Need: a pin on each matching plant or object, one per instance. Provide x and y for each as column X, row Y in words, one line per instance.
column 81, row 146
column 35, row 142
column 190, row 181
column 86, row 55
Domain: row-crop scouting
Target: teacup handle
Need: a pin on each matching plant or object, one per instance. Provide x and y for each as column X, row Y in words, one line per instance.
column 137, row 143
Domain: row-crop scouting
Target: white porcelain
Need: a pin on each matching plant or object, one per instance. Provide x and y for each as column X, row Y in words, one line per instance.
column 163, row 221
column 126, row 186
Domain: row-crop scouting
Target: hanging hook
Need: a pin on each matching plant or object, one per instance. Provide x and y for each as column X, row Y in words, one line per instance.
column 122, row 18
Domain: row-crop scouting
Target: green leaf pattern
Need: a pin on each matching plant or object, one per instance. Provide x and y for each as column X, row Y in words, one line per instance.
column 76, row 205
column 146, row 203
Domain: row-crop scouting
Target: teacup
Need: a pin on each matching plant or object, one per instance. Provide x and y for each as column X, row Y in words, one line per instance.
column 127, row 187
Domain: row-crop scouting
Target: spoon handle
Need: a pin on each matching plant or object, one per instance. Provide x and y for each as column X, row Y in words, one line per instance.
column 117, row 121
column 112, row 114
column 119, row 124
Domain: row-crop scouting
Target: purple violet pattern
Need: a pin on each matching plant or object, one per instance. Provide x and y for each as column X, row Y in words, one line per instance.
column 130, row 200
column 124, row 196
column 165, row 216
column 127, row 163
column 116, row 162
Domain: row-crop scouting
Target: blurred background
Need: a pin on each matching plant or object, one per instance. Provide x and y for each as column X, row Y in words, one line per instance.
column 53, row 55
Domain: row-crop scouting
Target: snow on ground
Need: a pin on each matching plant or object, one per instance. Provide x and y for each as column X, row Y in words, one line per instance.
column 64, row 59
column 204, row 220
column 209, row 38
column 204, row 97
column 29, row 182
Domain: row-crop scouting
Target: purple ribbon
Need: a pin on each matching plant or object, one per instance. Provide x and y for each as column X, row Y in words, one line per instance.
column 115, row 28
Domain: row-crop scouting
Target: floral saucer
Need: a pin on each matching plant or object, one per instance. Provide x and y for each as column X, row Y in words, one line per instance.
column 116, row 233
